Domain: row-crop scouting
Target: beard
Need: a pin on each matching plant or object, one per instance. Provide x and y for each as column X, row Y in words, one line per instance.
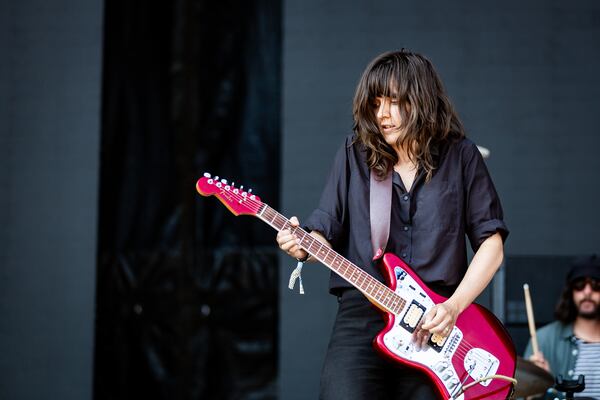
column 586, row 312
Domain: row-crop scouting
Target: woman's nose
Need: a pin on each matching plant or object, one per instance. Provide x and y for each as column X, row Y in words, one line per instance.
column 383, row 109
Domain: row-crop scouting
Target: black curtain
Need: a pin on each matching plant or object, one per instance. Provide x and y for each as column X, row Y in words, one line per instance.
column 187, row 298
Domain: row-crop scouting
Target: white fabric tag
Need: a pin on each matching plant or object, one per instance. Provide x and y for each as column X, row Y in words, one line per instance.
column 296, row 274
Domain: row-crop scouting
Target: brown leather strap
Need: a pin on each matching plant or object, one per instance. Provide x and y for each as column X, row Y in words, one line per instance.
column 380, row 204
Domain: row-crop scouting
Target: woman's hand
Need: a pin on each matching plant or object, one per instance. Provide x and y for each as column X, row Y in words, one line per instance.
column 440, row 319
column 288, row 242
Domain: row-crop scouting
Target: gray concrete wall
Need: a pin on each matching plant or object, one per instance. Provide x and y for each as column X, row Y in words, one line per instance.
column 50, row 74
column 523, row 76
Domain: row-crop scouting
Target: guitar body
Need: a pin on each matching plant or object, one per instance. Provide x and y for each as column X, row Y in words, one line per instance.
column 478, row 343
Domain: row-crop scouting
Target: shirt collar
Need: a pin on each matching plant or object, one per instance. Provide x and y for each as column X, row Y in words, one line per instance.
column 566, row 332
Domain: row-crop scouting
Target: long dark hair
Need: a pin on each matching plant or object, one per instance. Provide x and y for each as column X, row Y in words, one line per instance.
column 565, row 310
column 428, row 117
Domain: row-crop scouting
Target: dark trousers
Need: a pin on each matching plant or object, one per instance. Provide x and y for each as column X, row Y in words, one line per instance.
column 353, row 370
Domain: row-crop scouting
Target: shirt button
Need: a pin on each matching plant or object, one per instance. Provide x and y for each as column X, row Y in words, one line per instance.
column 570, row 372
column 405, row 228
column 405, row 198
column 575, row 352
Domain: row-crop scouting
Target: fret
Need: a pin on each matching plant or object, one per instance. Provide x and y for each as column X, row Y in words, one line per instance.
column 384, row 298
column 361, row 280
column 336, row 261
column 370, row 287
column 280, row 222
column 344, row 266
column 351, row 277
column 390, row 296
column 273, row 214
column 262, row 209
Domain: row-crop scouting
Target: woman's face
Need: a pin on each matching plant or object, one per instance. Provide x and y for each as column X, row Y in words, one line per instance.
column 387, row 112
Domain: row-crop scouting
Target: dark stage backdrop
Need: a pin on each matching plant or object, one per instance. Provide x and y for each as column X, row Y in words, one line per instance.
column 187, row 298
column 50, row 70
column 523, row 76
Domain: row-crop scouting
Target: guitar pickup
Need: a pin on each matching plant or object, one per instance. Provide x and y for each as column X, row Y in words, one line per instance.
column 437, row 342
column 413, row 315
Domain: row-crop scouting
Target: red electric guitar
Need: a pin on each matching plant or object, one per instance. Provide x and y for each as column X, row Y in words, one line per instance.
column 475, row 361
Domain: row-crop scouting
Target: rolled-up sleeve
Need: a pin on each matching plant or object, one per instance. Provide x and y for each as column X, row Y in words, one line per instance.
column 484, row 215
column 330, row 217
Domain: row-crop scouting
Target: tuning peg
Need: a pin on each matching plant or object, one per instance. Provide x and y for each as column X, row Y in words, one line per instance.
column 216, row 178
column 206, row 175
column 249, row 190
column 232, row 184
column 242, row 187
column 224, row 181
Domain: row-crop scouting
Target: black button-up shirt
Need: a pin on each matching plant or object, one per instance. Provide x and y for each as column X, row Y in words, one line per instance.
column 429, row 224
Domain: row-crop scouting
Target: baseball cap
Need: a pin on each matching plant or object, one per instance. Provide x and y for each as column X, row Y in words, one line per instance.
column 584, row 267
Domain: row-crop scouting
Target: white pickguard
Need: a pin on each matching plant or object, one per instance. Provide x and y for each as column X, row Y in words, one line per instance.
column 399, row 340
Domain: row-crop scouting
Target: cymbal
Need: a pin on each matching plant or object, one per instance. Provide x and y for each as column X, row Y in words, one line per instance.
column 531, row 379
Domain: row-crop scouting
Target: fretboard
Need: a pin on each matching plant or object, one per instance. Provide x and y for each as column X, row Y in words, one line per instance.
column 380, row 294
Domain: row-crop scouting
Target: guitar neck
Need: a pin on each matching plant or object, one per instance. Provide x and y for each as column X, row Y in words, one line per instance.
column 382, row 296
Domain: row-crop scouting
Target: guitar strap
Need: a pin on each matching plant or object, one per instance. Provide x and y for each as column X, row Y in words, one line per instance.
column 380, row 205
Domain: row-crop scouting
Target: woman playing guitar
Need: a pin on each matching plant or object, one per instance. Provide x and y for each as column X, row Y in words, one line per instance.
column 441, row 193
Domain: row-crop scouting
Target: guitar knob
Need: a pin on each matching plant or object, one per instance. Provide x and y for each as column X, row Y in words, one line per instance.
column 249, row 190
column 206, row 175
column 216, row 178
column 224, row 181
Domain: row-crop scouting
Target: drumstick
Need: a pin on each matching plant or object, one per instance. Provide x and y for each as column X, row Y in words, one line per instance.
column 530, row 320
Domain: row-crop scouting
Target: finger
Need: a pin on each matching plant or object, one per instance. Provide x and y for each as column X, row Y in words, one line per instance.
column 287, row 246
column 294, row 222
column 441, row 320
column 286, row 238
column 444, row 330
column 283, row 235
column 424, row 338
column 416, row 337
column 443, row 327
column 433, row 318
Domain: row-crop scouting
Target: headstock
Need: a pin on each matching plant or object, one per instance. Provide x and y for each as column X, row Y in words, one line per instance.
column 237, row 200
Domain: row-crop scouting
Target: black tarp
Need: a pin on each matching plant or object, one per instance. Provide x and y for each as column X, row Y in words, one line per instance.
column 187, row 297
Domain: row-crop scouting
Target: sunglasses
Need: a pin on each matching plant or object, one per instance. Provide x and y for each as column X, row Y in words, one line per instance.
column 579, row 284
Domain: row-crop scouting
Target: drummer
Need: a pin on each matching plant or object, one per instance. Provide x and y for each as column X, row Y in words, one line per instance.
column 570, row 346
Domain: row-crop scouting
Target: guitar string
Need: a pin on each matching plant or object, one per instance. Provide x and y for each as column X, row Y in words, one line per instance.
column 464, row 345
